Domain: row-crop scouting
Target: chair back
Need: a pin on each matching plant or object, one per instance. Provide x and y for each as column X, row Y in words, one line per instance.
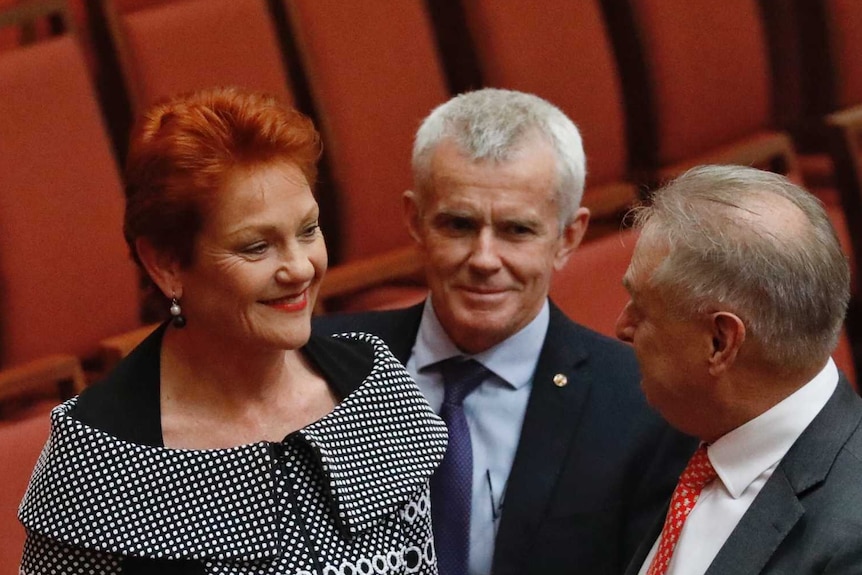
column 563, row 54
column 21, row 443
column 589, row 288
column 374, row 73
column 66, row 279
column 166, row 48
column 709, row 89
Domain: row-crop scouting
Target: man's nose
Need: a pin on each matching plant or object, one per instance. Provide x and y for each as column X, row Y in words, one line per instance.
column 625, row 325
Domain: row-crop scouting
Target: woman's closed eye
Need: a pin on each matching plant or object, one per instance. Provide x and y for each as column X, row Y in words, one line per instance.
column 255, row 249
column 310, row 231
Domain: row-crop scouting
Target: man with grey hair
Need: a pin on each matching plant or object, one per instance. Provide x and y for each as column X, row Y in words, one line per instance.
column 556, row 465
column 738, row 293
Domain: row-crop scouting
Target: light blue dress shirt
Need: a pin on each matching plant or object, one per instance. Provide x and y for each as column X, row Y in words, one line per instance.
column 495, row 413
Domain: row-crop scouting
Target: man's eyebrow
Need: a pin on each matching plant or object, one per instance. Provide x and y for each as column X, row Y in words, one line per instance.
column 523, row 220
column 627, row 282
column 628, row 285
column 454, row 213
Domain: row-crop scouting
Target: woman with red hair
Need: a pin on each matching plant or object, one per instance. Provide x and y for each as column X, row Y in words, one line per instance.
column 233, row 440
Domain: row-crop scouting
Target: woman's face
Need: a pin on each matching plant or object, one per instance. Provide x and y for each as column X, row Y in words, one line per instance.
column 258, row 260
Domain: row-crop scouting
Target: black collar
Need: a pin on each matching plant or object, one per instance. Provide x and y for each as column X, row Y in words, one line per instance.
column 126, row 403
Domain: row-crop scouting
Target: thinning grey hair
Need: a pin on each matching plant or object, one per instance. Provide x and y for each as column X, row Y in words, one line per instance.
column 790, row 284
column 491, row 124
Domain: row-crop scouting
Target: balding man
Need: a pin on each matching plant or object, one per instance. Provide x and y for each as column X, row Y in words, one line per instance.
column 738, row 293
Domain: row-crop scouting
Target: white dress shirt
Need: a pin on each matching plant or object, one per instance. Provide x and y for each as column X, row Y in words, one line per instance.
column 494, row 411
column 744, row 460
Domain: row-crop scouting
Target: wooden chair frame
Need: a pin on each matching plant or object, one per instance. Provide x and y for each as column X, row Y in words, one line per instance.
column 41, row 374
column 25, row 15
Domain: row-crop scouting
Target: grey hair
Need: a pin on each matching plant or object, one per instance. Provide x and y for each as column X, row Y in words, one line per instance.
column 491, row 124
column 790, row 285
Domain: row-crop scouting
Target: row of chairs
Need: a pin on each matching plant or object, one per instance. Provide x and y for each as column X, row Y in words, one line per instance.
column 588, row 289
column 651, row 92
column 372, row 70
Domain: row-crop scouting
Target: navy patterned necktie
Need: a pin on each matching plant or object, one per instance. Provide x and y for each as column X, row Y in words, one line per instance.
column 452, row 483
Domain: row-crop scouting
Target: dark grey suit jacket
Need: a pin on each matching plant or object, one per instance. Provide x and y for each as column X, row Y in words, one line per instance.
column 808, row 517
column 594, row 463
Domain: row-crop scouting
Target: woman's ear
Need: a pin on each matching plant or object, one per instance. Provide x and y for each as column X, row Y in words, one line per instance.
column 162, row 268
column 728, row 335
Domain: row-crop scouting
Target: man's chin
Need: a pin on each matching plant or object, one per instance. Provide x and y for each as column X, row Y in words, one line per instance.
column 483, row 302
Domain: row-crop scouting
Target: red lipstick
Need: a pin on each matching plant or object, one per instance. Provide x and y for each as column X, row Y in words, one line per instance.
column 292, row 303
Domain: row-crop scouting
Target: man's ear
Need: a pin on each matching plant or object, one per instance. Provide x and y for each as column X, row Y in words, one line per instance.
column 162, row 268
column 412, row 215
column 728, row 335
column 571, row 237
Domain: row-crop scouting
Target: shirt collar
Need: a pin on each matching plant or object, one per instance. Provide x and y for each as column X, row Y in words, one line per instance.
column 513, row 360
column 742, row 455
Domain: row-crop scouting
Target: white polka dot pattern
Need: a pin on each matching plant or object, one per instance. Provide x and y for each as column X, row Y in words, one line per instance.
column 348, row 494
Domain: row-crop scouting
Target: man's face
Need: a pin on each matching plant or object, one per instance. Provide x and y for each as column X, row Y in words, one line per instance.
column 490, row 236
column 672, row 351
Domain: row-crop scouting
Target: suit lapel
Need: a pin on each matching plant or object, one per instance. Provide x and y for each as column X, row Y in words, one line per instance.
column 780, row 505
column 646, row 545
column 548, row 428
column 398, row 328
column 762, row 529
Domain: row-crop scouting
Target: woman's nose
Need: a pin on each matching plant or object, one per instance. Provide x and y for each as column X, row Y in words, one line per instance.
column 294, row 268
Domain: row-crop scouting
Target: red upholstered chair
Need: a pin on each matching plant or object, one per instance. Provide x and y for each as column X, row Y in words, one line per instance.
column 169, row 47
column 9, row 37
column 373, row 73
column 844, row 21
column 14, row 35
column 21, row 443
column 709, row 94
column 25, row 21
column 562, row 52
column 34, row 387
column 590, row 288
column 67, row 279
column 830, row 37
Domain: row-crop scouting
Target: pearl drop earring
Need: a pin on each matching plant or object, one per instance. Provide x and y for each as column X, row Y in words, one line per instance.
column 178, row 319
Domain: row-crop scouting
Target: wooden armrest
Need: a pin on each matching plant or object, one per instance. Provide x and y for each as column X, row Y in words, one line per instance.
column 40, row 373
column 848, row 119
column 772, row 151
column 402, row 264
column 115, row 348
column 25, row 13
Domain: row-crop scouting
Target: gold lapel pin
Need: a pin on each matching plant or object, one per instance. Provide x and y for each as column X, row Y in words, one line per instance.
column 560, row 380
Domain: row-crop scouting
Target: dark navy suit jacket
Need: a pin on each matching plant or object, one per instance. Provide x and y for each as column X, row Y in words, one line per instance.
column 594, row 465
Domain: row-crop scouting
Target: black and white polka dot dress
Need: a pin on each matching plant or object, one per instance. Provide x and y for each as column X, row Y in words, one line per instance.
column 346, row 495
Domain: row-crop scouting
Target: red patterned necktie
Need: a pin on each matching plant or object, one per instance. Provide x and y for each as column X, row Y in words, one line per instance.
column 695, row 476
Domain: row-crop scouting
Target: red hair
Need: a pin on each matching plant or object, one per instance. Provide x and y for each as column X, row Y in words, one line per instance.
column 183, row 150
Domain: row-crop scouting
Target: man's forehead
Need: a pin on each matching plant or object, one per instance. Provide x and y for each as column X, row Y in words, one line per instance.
column 648, row 254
